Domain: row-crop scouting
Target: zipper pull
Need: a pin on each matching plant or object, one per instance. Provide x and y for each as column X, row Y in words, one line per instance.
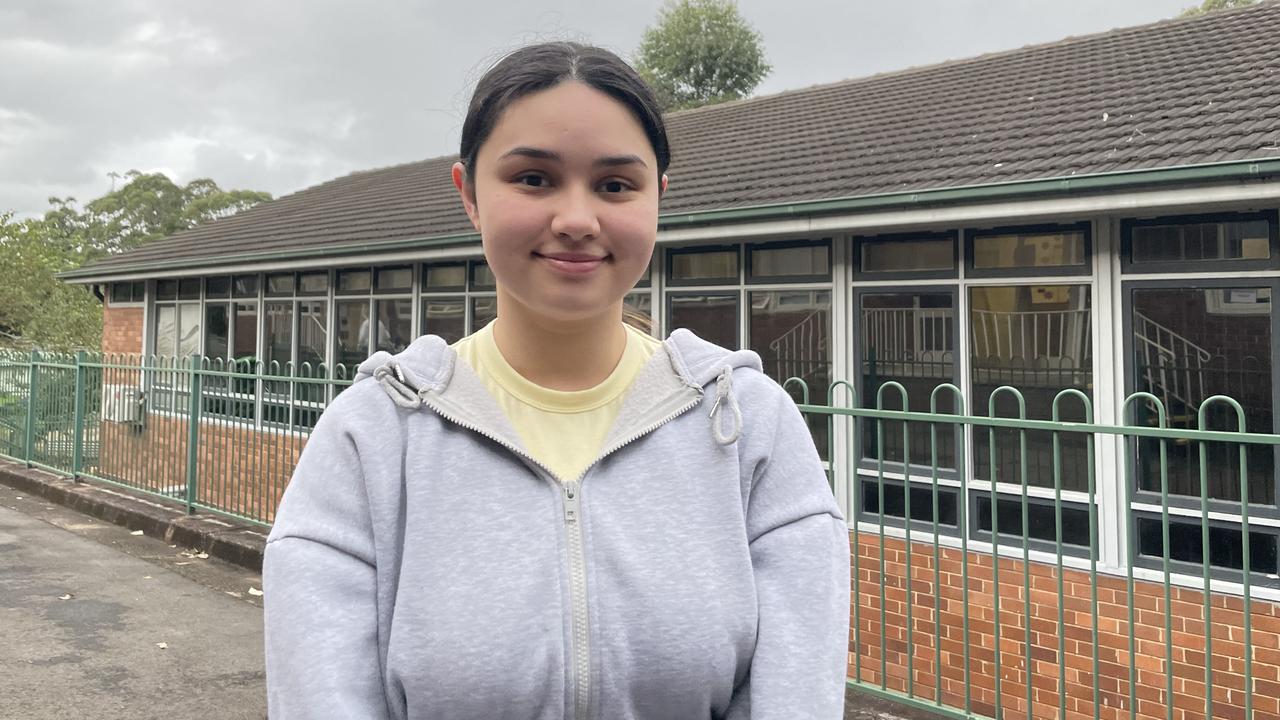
column 571, row 502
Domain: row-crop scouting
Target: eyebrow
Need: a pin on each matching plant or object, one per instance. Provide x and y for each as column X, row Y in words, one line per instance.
column 540, row 154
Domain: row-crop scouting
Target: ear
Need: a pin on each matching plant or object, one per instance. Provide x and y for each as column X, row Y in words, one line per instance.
column 467, row 190
column 662, row 185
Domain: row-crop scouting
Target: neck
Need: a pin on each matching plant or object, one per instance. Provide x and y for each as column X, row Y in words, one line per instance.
column 557, row 354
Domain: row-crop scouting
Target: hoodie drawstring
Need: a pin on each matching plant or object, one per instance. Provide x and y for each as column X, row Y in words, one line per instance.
column 724, row 396
column 396, row 387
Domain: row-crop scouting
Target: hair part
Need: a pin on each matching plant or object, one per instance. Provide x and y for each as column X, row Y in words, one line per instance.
column 540, row 67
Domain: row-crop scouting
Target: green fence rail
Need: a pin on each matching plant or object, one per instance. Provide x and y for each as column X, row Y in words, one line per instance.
column 1000, row 569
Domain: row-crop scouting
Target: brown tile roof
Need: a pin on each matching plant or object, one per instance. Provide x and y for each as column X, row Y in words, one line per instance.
column 1173, row 93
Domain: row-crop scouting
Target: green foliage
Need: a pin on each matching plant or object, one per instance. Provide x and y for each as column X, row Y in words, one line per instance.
column 1209, row 6
column 701, row 52
column 37, row 309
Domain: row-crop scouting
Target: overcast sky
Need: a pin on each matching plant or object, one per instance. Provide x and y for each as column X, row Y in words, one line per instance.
column 278, row 95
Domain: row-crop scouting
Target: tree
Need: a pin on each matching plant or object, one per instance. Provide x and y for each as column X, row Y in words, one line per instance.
column 1209, row 6
column 37, row 309
column 701, row 52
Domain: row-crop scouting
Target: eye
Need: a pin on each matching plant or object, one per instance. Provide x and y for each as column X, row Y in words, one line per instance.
column 614, row 186
column 532, row 180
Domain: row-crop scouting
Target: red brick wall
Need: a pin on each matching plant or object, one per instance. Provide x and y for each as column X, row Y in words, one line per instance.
column 122, row 329
column 866, row 643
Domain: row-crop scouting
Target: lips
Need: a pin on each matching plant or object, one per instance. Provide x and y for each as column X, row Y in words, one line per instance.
column 572, row 263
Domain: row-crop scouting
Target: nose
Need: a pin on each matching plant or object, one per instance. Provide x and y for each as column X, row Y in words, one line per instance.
column 575, row 216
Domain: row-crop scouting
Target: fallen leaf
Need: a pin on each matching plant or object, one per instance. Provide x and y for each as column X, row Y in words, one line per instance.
column 233, row 594
column 182, row 563
column 203, row 555
column 136, row 532
column 255, row 592
column 162, row 646
column 68, row 596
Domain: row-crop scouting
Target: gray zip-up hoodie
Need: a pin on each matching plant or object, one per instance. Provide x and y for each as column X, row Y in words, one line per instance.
column 422, row 565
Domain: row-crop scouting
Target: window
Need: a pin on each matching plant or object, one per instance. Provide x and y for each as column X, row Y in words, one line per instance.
column 454, row 293
column 791, row 330
column 789, row 262
column 1207, row 243
column 715, row 265
column 128, row 292
column 915, row 255
column 1042, row 251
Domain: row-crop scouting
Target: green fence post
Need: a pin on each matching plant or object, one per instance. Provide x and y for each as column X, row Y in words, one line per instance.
column 33, row 378
column 193, row 434
column 77, row 453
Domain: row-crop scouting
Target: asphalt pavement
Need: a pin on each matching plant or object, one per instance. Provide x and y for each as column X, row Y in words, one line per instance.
column 96, row 622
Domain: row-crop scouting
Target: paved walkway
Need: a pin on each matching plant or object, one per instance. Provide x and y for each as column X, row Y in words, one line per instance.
column 84, row 609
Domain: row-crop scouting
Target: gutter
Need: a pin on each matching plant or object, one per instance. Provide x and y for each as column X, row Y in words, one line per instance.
column 1185, row 174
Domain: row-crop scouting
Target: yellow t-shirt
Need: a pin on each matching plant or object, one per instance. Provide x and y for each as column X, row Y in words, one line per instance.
column 563, row 430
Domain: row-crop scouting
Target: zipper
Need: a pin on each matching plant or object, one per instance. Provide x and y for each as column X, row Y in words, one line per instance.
column 580, row 637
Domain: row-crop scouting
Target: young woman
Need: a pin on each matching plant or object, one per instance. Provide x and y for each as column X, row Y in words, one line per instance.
column 558, row 516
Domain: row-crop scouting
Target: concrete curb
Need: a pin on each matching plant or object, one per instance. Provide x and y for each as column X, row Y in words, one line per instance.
column 239, row 543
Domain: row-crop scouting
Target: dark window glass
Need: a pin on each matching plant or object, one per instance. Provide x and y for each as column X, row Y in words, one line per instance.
column 217, row 287
column 797, row 261
column 167, row 290
column 791, row 331
column 637, row 310
column 245, row 286
column 313, row 337
column 895, row 502
column 1188, row 345
column 483, row 311
column 281, row 284
column 906, row 254
column 352, row 332
column 445, row 317
column 189, row 289
column 217, row 330
column 313, row 283
column 908, row 338
column 482, row 277
column 166, row 330
column 246, row 331
column 397, row 279
column 444, row 276
column 1042, row 522
column 711, row 265
column 1226, row 545
column 1033, row 250
column 1037, row 339
column 279, row 340
column 354, row 281
column 712, row 317
column 1207, row 241
column 395, row 325
column 120, row 293
column 645, row 279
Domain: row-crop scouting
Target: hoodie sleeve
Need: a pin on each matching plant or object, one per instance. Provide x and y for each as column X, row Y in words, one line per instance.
column 320, row 587
column 799, row 544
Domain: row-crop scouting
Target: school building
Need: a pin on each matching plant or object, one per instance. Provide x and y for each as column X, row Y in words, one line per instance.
column 1098, row 214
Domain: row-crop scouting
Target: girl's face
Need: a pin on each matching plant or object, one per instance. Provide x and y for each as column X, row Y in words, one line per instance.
column 565, row 198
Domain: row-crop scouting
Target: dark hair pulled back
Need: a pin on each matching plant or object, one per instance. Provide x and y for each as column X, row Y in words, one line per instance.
column 540, row 67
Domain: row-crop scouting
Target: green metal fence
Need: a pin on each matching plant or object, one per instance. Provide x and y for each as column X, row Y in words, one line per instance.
column 1013, row 597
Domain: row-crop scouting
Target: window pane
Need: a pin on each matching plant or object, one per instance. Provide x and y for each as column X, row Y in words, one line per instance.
column 444, row 276
column 906, row 254
column 166, row 330
column 1188, row 345
column 1042, row 521
column 138, row 290
column 1214, row 241
column 637, row 310
column 279, row 338
column 313, row 283
column 791, row 331
column 908, row 338
column 1226, row 545
column 482, row 277
column 188, row 329
column 1037, row 339
column 895, row 502
column 246, row 331
column 352, row 321
column 166, row 289
column 646, row 279
column 120, row 293
column 217, row 330
column 281, row 284
column 217, row 287
column 709, row 265
column 189, row 289
column 1039, row 250
column 354, row 281
column 483, row 311
column 245, row 286
column 445, row 317
column 712, row 317
column 395, row 325
column 392, row 279
column 784, row 262
column 313, row 336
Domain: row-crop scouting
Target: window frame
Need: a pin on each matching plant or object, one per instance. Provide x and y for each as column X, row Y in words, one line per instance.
column 1084, row 269
column 1128, row 267
column 747, row 261
column 857, row 241
column 668, row 264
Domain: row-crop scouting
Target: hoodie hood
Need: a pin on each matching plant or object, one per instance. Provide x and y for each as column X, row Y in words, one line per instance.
column 685, row 365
